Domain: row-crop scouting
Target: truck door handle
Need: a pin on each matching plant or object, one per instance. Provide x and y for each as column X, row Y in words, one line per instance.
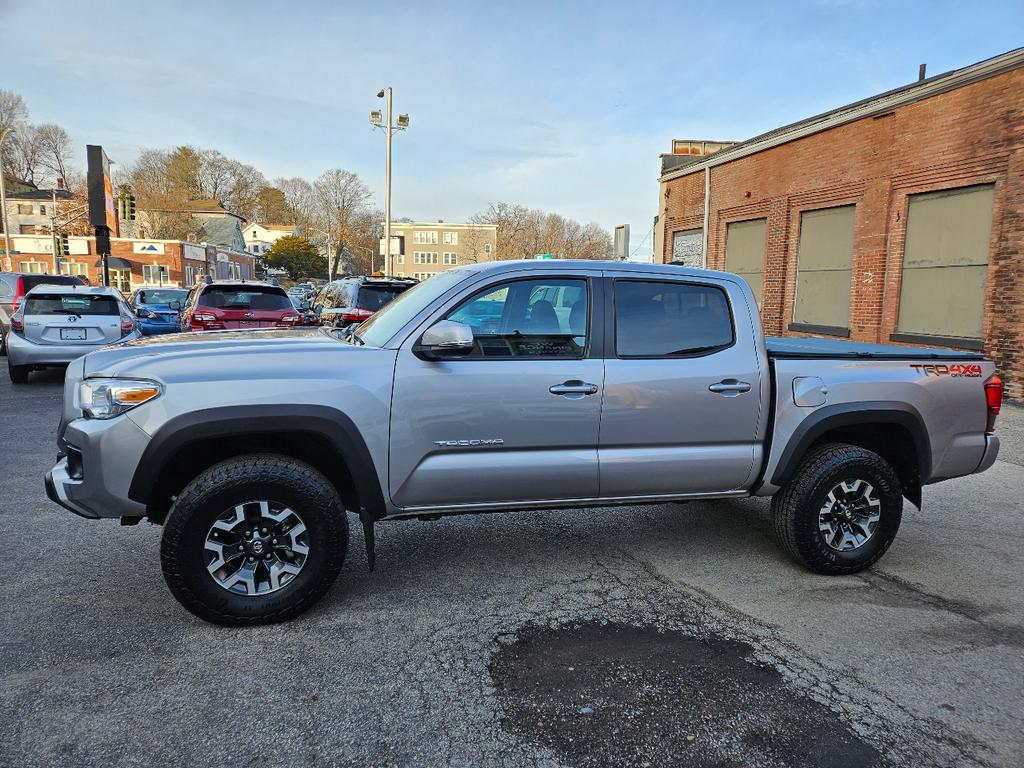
column 573, row 389
column 730, row 387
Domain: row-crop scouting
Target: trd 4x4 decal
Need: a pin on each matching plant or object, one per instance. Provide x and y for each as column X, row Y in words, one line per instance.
column 957, row 370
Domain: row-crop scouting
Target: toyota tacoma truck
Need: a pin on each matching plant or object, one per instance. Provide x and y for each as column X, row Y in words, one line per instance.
column 504, row 386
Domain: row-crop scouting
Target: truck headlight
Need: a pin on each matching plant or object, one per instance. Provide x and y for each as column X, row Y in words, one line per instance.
column 107, row 398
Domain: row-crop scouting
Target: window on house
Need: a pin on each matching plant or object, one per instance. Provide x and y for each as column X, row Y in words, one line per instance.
column 688, row 247
column 945, row 263
column 451, row 258
column 423, row 275
column 190, row 276
column 744, row 252
column 451, row 238
column 424, row 257
column 24, row 210
column 823, row 268
column 399, row 258
column 487, row 247
column 70, row 268
column 424, row 238
column 42, row 210
column 155, row 274
column 33, row 267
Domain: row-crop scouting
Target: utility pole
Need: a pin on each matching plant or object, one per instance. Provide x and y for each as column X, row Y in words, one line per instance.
column 57, row 254
column 3, row 204
column 389, row 131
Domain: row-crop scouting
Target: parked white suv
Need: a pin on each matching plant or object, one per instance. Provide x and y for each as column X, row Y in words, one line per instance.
column 57, row 323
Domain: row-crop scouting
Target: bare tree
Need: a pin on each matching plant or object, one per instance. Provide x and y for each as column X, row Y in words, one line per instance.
column 524, row 232
column 24, row 161
column 55, row 149
column 341, row 197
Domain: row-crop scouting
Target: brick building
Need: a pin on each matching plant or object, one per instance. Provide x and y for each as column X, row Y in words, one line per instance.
column 133, row 262
column 897, row 219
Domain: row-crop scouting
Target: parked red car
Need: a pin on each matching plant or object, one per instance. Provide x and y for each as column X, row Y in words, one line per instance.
column 238, row 304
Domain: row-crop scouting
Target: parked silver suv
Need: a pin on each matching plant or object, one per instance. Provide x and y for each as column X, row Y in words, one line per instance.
column 54, row 324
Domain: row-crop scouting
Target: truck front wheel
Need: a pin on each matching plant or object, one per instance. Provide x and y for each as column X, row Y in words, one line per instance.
column 253, row 540
column 840, row 511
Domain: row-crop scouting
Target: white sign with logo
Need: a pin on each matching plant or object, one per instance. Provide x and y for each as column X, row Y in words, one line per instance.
column 190, row 251
column 148, row 248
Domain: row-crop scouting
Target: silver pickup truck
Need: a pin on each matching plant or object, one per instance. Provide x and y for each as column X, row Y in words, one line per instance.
column 502, row 386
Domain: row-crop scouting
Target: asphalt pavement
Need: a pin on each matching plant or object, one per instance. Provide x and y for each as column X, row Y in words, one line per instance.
column 675, row 634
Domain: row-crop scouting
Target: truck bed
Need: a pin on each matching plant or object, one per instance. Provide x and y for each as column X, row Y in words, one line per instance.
column 814, row 348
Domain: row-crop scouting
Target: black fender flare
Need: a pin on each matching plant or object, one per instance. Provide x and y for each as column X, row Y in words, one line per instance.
column 237, row 421
column 831, row 417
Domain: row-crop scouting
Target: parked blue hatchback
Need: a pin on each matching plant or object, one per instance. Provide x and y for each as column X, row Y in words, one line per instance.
column 158, row 309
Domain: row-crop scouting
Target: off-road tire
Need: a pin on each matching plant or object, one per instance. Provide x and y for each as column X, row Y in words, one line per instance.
column 795, row 509
column 235, row 481
column 18, row 373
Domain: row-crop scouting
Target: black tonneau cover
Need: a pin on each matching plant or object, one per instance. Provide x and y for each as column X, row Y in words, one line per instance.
column 837, row 348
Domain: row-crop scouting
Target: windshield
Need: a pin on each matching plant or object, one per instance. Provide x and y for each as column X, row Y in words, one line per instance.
column 244, row 297
column 389, row 320
column 160, row 296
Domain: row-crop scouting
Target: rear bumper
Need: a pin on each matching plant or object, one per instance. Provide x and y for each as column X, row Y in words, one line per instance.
column 24, row 352
column 991, row 452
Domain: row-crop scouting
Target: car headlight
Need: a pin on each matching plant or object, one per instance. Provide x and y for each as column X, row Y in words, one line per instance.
column 107, row 398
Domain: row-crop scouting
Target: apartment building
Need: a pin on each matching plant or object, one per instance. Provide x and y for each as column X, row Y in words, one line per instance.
column 260, row 238
column 422, row 249
column 30, row 211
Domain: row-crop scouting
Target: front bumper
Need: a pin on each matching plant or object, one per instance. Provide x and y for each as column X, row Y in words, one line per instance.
column 24, row 352
column 92, row 479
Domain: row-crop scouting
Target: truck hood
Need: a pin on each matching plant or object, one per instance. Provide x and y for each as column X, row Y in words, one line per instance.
column 142, row 356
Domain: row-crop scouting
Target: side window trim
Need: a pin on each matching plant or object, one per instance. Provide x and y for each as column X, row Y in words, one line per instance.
column 612, row 320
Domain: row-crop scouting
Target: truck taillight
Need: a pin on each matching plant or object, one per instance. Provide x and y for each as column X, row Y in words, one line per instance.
column 994, row 401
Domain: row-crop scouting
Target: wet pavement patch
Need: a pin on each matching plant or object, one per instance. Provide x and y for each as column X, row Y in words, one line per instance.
column 619, row 695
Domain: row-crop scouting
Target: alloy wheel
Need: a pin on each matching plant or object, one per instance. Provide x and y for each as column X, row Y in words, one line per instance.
column 256, row 547
column 849, row 517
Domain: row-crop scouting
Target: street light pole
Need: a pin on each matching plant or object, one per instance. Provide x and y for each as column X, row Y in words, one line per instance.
column 389, row 131
column 3, row 203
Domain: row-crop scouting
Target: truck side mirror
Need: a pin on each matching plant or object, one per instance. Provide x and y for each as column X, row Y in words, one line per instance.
column 445, row 339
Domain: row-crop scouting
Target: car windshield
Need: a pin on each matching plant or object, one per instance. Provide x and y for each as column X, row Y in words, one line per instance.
column 388, row 321
column 85, row 304
column 375, row 297
column 160, row 296
column 244, row 297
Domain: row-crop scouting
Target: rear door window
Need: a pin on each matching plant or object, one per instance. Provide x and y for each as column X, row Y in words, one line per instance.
column 244, row 297
column 63, row 304
column 662, row 319
column 373, row 297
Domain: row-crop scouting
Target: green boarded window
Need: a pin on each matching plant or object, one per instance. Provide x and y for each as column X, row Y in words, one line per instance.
column 824, row 267
column 946, row 262
column 744, row 252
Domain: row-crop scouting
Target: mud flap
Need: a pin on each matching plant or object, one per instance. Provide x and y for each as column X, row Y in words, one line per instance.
column 366, row 517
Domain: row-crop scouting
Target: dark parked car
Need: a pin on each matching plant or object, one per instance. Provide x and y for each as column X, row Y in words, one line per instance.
column 239, row 304
column 14, row 286
column 158, row 309
column 352, row 300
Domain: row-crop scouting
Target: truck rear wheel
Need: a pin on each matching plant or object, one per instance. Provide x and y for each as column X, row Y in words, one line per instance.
column 254, row 540
column 840, row 511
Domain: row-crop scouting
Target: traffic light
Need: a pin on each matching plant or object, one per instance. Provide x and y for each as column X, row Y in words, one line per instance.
column 131, row 207
column 126, row 205
column 65, row 248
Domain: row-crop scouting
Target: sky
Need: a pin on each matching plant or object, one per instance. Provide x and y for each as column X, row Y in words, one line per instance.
column 563, row 106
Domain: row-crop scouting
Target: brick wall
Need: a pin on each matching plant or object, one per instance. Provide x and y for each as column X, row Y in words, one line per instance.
column 972, row 135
